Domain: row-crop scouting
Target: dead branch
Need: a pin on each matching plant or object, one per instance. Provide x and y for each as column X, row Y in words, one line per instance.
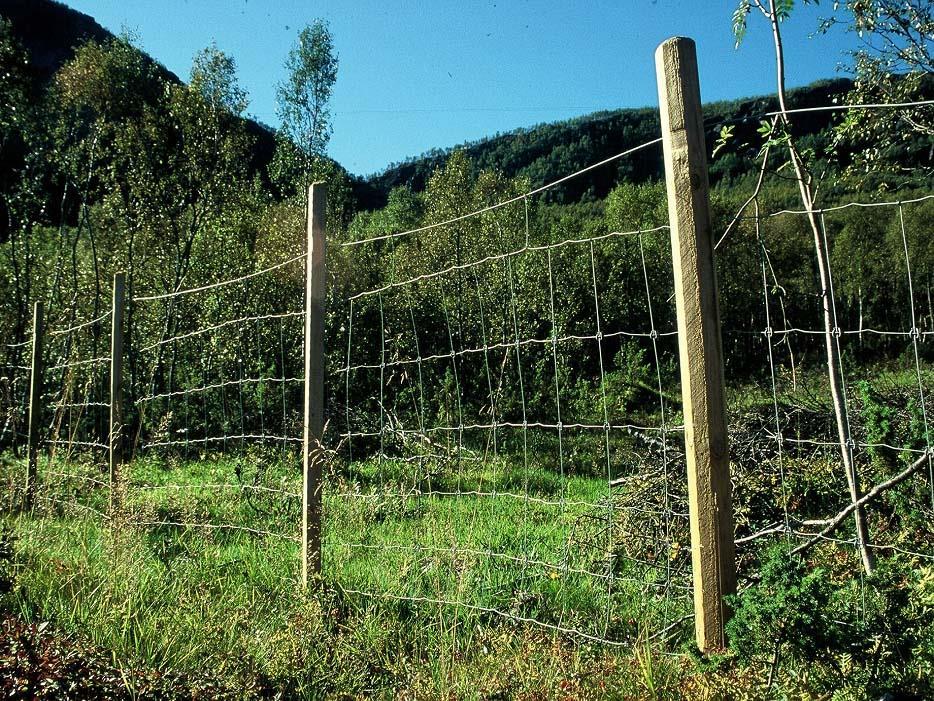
column 835, row 522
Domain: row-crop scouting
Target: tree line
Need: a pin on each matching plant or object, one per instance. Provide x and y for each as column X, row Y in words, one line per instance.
column 114, row 166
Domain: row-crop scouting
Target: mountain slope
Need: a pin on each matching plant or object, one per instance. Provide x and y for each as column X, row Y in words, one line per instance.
column 544, row 153
column 547, row 152
column 50, row 31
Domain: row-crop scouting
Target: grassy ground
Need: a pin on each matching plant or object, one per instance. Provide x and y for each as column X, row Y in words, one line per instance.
column 185, row 598
column 196, row 581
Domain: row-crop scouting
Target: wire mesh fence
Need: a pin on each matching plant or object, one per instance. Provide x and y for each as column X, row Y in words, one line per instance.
column 218, row 432
column 494, row 405
column 14, row 390
column 877, row 293
column 505, row 437
column 73, row 475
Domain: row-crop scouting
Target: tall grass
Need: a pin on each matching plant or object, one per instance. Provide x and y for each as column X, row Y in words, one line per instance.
column 188, row 599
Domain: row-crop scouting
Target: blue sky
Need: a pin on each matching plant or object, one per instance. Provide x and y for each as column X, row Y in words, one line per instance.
column 419, row 75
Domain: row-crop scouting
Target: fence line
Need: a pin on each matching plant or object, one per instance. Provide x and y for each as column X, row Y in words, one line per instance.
column 484, row 438
column 784, row 437
column 427, row 439
column 847, row 107
column 222, row 283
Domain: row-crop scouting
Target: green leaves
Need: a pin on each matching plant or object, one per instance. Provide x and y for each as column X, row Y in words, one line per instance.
column 788, row 607
column 773, row 134
column 214, row 76
column 893, row 65
column 740, row 16
column 783, row 9
column 726, row 135
column 303, row 97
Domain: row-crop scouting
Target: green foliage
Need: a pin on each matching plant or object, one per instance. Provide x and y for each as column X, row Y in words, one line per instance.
column 14, row 91
column 544, row 153
column 893, row 65
column 20, row 184
column 877, row 416
column 740, row 20
column 214, row 77
column 723, row 138
column 184, row 600
column 860, row 640
column 7, row 560
column 892, row 419
column 107, row 83
column 41, row 662
column 634, row 373
column 303, row 98
column 787, row 608
column 129, row 170
column 630, row 207
column 783, row 9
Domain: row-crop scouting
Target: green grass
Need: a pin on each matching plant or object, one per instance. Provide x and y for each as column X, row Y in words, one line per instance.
column 429, row 595
column 187, row 598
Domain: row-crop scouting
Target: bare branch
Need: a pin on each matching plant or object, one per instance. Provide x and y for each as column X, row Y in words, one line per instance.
column 865, row 499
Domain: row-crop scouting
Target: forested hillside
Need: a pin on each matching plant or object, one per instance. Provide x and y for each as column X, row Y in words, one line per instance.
column 109, row 162
column 546, row 152
column 49, row 32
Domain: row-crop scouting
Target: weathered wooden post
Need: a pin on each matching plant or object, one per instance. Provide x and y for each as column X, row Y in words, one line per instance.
column 708, row 460
column 312, row 453
column 116, row 388
column 35, row 401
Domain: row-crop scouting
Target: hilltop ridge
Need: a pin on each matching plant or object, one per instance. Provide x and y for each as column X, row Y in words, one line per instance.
column 50, row 31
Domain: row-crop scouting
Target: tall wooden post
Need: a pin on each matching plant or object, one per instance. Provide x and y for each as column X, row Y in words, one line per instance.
column 313, row 455
column 116, row 387
column 35, row 401
column 708, row 460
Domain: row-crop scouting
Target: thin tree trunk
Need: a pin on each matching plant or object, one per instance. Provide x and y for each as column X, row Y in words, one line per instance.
column 823, row 266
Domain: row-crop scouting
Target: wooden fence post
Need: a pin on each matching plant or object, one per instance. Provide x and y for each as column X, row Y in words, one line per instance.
column 699, row 343
column 35, row 401
column 116, row 387
column 312, row 453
